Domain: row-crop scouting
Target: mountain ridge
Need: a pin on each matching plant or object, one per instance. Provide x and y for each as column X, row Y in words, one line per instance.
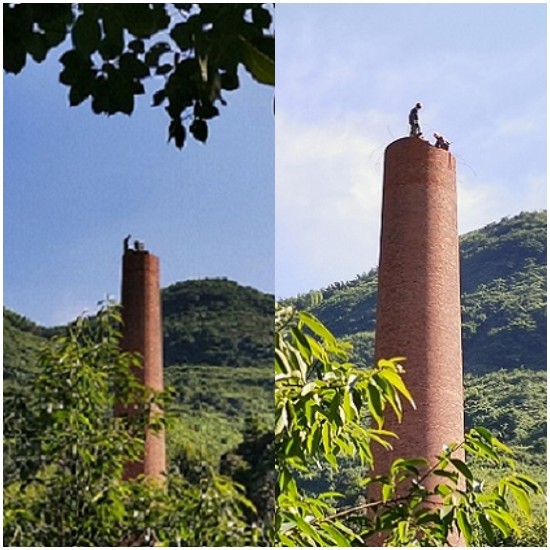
column 503, row 292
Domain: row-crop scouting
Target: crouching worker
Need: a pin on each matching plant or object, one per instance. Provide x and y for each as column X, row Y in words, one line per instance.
column 441, row 142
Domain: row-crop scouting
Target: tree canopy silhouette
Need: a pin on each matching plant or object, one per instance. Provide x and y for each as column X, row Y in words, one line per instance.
column 193, row 51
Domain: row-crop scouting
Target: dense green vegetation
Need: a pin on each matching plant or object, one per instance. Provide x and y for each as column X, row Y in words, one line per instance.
column 503, row 277
column 320, row 404
column 68, row 452
column 512, row 404
column 205, row 322
column 21, row 343
column 218, row 357
column 217, row 322
column 215, row 406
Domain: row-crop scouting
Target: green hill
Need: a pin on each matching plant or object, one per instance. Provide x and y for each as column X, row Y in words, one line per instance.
column 217, row 322
column 22, row 340
column 205, row 322
column 503, row 281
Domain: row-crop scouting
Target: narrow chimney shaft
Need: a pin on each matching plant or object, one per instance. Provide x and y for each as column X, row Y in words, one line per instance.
column 142, row 333
column 419, row 315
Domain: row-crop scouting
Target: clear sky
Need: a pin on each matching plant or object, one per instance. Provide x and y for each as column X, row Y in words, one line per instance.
column 347, row 76
column 75, row 184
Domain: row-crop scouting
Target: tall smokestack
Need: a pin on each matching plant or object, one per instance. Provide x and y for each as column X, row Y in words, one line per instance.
column 142, row 333
column 419, row 297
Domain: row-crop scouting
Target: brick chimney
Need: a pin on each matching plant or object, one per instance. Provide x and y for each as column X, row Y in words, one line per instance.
column 142, row 333
column 418, row 313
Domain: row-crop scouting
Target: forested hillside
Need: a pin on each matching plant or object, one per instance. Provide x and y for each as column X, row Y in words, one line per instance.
column 217, row 322
column 205, row 322
column 503, row 281
column 22, row 339
column 218, row 352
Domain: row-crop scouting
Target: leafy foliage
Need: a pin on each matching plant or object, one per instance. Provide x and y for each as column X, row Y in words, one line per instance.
column 70, row 449
column 504, row 342
column 512, row 404
column 505, row 321
column 213, row 409
column 212, row 403
column 501, row 249
column 252, row 464
column 194, row 50
column 320, row 398
column 205, row 322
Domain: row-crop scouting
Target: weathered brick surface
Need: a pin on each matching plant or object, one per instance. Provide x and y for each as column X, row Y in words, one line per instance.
column 142, row 332
column 419, row 296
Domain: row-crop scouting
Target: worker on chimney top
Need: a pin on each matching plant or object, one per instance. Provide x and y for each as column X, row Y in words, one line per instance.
column 441, row 142
column 413, row 120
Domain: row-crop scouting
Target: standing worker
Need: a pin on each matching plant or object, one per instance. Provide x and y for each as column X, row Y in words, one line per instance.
column 413, row 120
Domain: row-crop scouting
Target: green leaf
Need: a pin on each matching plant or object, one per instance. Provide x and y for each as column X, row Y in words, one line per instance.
column 176, row 131
column 521, row 498
column 349, row 406
column 374, row 404
column 480, row 448
column 387, row 491
column 307, row 529
column 183, row 35
column 308, row 388
column 37, row 46
column 15, row 58
column 113, row 43
column 337, row 538
column 402, row 530
column 499, row 521
column 158, row 97
column 444, row 473
column 152, row 57
column 199, row 129
column 282, row 421
column 445, row 510
column 316, row 326
column 443, row 490
column 325, row 430
column 261, row 17
column 412, row 465
column 398, row 383
column 259, row 64
column 530, row 482
column 137, row 45
column 229, row 81
column 86, row 34
column 77, row 95
column 314, row 438
column 133, row 66
column 487, row 527
column 485, row 433
column 464, row 525
column 462, row 468
column 303, row 343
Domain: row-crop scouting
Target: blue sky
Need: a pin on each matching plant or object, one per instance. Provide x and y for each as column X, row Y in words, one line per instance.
column 76, row 183
column 347, row 76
